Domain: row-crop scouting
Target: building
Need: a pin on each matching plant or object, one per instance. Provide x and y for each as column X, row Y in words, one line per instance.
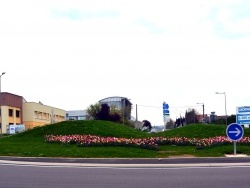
column 122, row 104
column 213, row 117
column 10, row 110
column 15, row 110
column 37, row 114
column 76, row 115
column 201, row 119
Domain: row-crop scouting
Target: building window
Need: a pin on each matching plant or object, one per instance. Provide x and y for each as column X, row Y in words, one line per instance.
column 17, row 113
column 10, row 112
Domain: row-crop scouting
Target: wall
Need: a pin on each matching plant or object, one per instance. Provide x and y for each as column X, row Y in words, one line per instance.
column 36, row 114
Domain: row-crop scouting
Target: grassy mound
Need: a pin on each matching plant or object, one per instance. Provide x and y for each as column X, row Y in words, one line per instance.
column 86, row 127
column 31, row 143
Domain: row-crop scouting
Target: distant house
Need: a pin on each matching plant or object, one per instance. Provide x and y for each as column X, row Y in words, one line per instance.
column 76, row 115
column 201, row 119
column 213, row 117
column 122, row 104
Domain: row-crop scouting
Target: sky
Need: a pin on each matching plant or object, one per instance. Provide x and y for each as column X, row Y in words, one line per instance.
column 70, row 54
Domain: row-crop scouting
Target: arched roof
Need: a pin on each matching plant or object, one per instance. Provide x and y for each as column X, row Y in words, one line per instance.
column 115, row 98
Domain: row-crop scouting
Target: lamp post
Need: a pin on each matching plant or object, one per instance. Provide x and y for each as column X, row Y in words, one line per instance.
column 1, row 102
column 203, row 111
column 224, row 93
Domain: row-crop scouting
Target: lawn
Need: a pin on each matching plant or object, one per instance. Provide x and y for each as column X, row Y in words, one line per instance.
column 32, row 143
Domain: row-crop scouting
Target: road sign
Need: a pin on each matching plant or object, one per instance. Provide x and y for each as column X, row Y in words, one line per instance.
column 166, row 116
column 235, row 131
column 165, row 107
column 243, row 115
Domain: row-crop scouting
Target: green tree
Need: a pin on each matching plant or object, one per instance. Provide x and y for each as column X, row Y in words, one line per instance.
column 231, row 119
column 222, row 121
column 146, row 123
column 191, row 116
column 92, row 110
column 104, row 113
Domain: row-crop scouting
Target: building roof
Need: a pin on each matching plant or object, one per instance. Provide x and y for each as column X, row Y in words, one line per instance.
column 115, row 98
column 77, row 113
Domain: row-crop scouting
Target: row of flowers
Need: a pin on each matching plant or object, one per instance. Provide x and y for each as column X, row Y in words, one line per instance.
column 92, row 140
column 146, row 143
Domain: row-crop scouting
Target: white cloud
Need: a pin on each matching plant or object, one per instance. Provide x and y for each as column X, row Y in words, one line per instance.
column 232, row 21
column 71, row 54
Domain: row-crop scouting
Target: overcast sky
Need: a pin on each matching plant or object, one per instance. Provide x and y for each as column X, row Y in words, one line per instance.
column 72, row 53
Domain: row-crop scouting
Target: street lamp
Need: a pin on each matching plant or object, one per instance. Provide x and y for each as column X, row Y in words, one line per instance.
column 224, row 93
column 203, row 111
column 1, row 103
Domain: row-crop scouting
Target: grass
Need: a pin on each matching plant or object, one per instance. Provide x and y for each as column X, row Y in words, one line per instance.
column 31, row 143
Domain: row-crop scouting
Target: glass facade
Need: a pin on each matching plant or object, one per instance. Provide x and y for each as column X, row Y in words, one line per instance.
column 121, row 103
column 76, row 115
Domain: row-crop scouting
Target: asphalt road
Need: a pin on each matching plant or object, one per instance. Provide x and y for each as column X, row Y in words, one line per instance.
column 223, row 172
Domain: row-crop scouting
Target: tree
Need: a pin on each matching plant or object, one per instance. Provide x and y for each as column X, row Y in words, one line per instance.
column 92, row 110
column 170, row 124
column 179, row 121
column 231, row 119
column 146, row 123
column 222, row 121
column 191, row 116
column 104, row 113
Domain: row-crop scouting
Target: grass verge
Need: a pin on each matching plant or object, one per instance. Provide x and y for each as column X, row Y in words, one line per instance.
column 32, row 144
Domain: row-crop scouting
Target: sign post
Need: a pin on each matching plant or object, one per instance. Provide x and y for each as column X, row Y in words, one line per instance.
column 235, row 132
column 166, row 118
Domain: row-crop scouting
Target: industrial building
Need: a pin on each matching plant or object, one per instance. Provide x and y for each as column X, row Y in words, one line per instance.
column 15, row 110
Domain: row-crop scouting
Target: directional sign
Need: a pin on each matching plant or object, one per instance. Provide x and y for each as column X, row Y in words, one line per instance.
column 235, row 131
column 165, row 107
column 243, row 115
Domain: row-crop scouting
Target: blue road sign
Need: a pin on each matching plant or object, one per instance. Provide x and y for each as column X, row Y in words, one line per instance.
column 235, row 131
column 243, row 115
column 165, row 106
column 165, row 109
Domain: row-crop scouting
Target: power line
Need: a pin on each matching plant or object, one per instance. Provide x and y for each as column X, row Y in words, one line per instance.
column 169, row 107
column 148, row 106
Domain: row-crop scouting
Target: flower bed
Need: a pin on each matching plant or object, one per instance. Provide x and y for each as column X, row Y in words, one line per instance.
column 152, row 143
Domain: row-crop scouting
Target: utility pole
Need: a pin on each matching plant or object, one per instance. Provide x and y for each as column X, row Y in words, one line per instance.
column 224, row 93
column 136, row 115
column 203, row 111
column 123, row 111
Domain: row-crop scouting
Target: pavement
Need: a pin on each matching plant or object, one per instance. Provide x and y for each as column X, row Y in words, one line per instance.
column 228, row 160
column 237, row 155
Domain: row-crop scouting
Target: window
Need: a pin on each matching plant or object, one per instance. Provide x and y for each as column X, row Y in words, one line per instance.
column 17, row 113
column 10, row 112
